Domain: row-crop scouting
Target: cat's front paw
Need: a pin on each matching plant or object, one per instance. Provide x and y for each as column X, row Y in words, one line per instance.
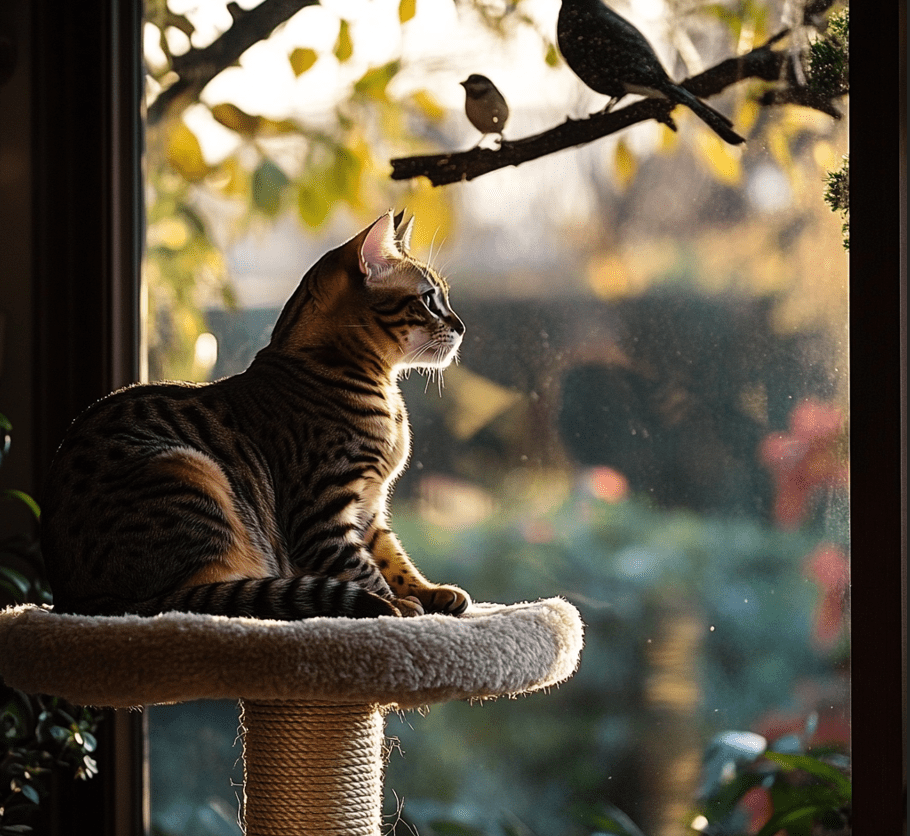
column 408, row 607
column 451, row 600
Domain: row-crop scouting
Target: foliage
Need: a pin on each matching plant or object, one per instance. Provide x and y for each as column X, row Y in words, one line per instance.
column 751, row 787
column 837, row 196
column 829, row 74
column 829, row 57
column 39, row 735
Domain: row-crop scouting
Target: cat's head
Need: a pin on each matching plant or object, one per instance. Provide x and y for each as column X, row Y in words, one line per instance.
column 371, row 296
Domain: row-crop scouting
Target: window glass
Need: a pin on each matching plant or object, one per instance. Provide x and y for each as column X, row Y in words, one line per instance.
column 649, row 416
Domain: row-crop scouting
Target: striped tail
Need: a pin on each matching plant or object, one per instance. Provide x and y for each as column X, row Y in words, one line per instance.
column 280, row 599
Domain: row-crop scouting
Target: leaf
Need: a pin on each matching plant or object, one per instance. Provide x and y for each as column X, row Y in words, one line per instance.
column 31, row 793
column 551, row 57
column 796, row 822
column 373, row 82
column 722, row 161
column 12, row 493
column 344, row 46
column 624, row 164
column 184, row 153
column 406, row 10
column 236, row 119
column 269, row 183
column 302, row 59
column 816, row 768
column 313, row 204
column 428, row 106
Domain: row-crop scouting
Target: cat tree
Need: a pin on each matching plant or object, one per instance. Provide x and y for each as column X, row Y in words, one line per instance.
column 313, row 693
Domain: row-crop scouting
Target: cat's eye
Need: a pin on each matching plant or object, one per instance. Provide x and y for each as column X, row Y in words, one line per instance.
column 430, row 300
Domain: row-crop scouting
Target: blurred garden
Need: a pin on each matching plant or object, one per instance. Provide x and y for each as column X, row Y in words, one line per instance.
column 648, row 416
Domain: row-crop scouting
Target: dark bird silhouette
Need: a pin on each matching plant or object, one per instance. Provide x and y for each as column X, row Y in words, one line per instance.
column 613, row 58
column 484, row 105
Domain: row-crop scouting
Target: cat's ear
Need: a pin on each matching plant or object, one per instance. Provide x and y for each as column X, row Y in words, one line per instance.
column 379, row 251
column 403, row 230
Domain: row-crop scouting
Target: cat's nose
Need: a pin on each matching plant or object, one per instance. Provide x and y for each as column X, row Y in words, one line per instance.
column 457, row 325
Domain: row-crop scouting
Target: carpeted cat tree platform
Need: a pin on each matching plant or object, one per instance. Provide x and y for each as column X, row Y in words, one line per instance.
column 313, row 693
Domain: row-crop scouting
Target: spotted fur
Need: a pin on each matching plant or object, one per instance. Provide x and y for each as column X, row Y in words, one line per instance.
column 263, row 494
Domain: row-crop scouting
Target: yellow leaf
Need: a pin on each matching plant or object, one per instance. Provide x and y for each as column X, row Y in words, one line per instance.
column 374, row 81
column 313, row 203
column 427, row 104
column 406, row 10
column 552, row 56
column 236, row 119
column 430, row 206
column 722, row 161
column 624, row 164
column 668, row 139
column 184, row 153
column 746, row 116
column 344, row 46
column 302, row 59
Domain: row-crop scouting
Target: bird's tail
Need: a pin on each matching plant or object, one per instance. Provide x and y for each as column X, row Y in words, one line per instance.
column 714, row 119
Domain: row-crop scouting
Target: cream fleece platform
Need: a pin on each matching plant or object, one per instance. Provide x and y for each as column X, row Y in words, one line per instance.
column 314, row 692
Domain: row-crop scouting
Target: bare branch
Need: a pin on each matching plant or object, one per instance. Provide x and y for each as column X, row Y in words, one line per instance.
column 198, row 67
column 442, row 169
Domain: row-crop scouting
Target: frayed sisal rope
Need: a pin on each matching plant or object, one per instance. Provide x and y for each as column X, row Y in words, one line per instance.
column 313, row 691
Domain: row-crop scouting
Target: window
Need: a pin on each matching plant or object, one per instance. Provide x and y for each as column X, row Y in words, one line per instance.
column 649, row 417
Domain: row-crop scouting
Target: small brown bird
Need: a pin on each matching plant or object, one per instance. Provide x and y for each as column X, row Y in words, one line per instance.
column 484, row 106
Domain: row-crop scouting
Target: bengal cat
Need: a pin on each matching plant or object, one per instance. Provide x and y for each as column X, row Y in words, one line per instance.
column 263, row 494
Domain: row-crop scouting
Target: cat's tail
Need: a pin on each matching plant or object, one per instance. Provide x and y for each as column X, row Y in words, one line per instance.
column 281, row 599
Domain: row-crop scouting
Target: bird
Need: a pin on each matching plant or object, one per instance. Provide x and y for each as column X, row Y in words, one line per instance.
column 484, row 106
column 613, row 58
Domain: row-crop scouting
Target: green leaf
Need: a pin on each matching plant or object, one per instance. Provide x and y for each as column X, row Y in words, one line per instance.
column 313, row 203
column 11, row 493
column 817, row 768
column 797, row 822
column 344, row 46
column 302, row 59
column 269, row 183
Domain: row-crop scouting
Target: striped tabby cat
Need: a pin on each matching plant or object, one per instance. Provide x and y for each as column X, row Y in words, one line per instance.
column 263, row 494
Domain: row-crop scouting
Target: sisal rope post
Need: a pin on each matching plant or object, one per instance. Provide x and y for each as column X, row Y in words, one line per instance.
column 312, row 768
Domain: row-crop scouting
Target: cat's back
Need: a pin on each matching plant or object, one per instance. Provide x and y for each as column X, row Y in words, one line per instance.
column 110, row 474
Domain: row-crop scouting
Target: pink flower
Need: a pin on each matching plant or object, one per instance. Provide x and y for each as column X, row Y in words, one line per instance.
column 805, row 459
column 829, row 567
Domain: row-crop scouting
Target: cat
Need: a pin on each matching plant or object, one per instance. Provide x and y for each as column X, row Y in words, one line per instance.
column 263, row 494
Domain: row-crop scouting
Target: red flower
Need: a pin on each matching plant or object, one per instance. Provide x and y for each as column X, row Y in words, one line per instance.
column 804, row 459
column 829, row 567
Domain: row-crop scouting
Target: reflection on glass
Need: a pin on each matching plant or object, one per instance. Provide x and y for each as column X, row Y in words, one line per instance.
column 649, row 416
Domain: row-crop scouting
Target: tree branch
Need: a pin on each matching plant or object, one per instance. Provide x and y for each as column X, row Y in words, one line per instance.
column 198, row 67
column 442, row 169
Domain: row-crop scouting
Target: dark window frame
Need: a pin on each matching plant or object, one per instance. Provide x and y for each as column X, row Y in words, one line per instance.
column 87, row 225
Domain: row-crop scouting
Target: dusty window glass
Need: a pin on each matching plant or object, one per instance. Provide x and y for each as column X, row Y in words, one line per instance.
column 649, row 416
